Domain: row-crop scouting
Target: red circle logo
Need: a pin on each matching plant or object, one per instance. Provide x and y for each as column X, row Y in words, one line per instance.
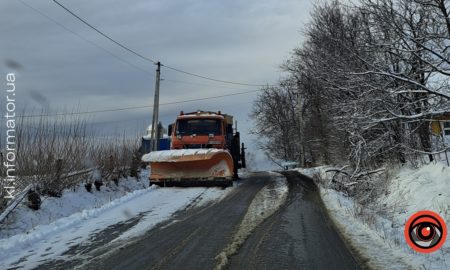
column 425, row 231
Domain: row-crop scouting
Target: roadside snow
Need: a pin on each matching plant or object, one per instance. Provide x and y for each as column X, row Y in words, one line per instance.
column 33, row 237
column 376, row 230
column 24, row 219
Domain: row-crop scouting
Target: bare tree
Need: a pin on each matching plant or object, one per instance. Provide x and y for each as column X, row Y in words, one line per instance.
column 276, row 122
column 366, row 84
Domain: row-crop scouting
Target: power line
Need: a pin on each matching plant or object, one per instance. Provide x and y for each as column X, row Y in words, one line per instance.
column 209, row 78
column 136, row 107
column 149, row 59
column 125, row 108
column 81, row 37
column 111, row 53
column 106, row 36
column 118, row 57
column 201, row 84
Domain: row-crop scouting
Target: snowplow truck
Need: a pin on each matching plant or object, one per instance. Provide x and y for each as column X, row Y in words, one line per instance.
column 205, row 150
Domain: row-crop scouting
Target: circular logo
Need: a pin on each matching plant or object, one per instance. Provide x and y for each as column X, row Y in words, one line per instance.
column 425, row 231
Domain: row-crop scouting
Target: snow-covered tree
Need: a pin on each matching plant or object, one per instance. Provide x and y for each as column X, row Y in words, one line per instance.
column 364, row 85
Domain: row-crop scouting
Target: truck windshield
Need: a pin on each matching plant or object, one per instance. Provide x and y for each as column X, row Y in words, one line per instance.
column 199, row 127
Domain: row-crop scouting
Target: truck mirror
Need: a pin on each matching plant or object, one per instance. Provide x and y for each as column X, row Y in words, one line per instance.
column 169, row 130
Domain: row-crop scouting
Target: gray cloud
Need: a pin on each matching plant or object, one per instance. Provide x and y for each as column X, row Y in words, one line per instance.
column 232, row 40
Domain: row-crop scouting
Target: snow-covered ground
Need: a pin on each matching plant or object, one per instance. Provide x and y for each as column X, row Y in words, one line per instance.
column 33, row 237
column 24, row 219
column 376, row 231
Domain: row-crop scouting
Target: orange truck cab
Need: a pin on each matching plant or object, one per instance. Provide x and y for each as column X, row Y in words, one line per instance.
column 201, row 129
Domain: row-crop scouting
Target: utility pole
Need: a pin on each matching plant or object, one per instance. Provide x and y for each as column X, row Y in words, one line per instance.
column 300, row 134
column 153, row 138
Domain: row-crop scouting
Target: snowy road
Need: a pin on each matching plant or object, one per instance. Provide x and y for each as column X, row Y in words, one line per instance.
column 299, row 236
column 85, row 234
column 293, row 233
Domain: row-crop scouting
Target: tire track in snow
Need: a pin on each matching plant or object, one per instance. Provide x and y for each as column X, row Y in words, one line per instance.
column 268, row 200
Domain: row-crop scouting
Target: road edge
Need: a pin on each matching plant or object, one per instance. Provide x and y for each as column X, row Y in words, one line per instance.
column 359, row 256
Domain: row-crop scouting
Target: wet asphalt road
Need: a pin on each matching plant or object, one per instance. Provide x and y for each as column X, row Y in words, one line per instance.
column 192, row 242
column 297, row 236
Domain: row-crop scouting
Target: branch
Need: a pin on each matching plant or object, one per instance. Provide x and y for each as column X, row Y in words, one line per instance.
column 382, row 73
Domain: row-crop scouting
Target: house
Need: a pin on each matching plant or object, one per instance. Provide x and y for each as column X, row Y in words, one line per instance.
column 440, row 126
column 162, row 144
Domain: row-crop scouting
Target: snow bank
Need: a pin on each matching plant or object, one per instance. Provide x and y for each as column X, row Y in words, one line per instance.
column 376, row 230
column 24, row 219
column 425, row 188
column 312, row 171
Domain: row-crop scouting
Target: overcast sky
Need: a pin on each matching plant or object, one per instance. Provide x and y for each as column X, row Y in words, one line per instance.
column 63, row 65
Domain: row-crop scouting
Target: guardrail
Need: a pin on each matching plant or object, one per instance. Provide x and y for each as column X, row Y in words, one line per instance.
column 15, row 202
column 19, row 197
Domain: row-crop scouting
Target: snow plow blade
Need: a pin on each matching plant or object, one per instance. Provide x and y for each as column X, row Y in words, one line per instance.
column 190, row 167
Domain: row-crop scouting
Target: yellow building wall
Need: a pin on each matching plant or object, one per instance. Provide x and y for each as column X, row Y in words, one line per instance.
column 436, row 127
